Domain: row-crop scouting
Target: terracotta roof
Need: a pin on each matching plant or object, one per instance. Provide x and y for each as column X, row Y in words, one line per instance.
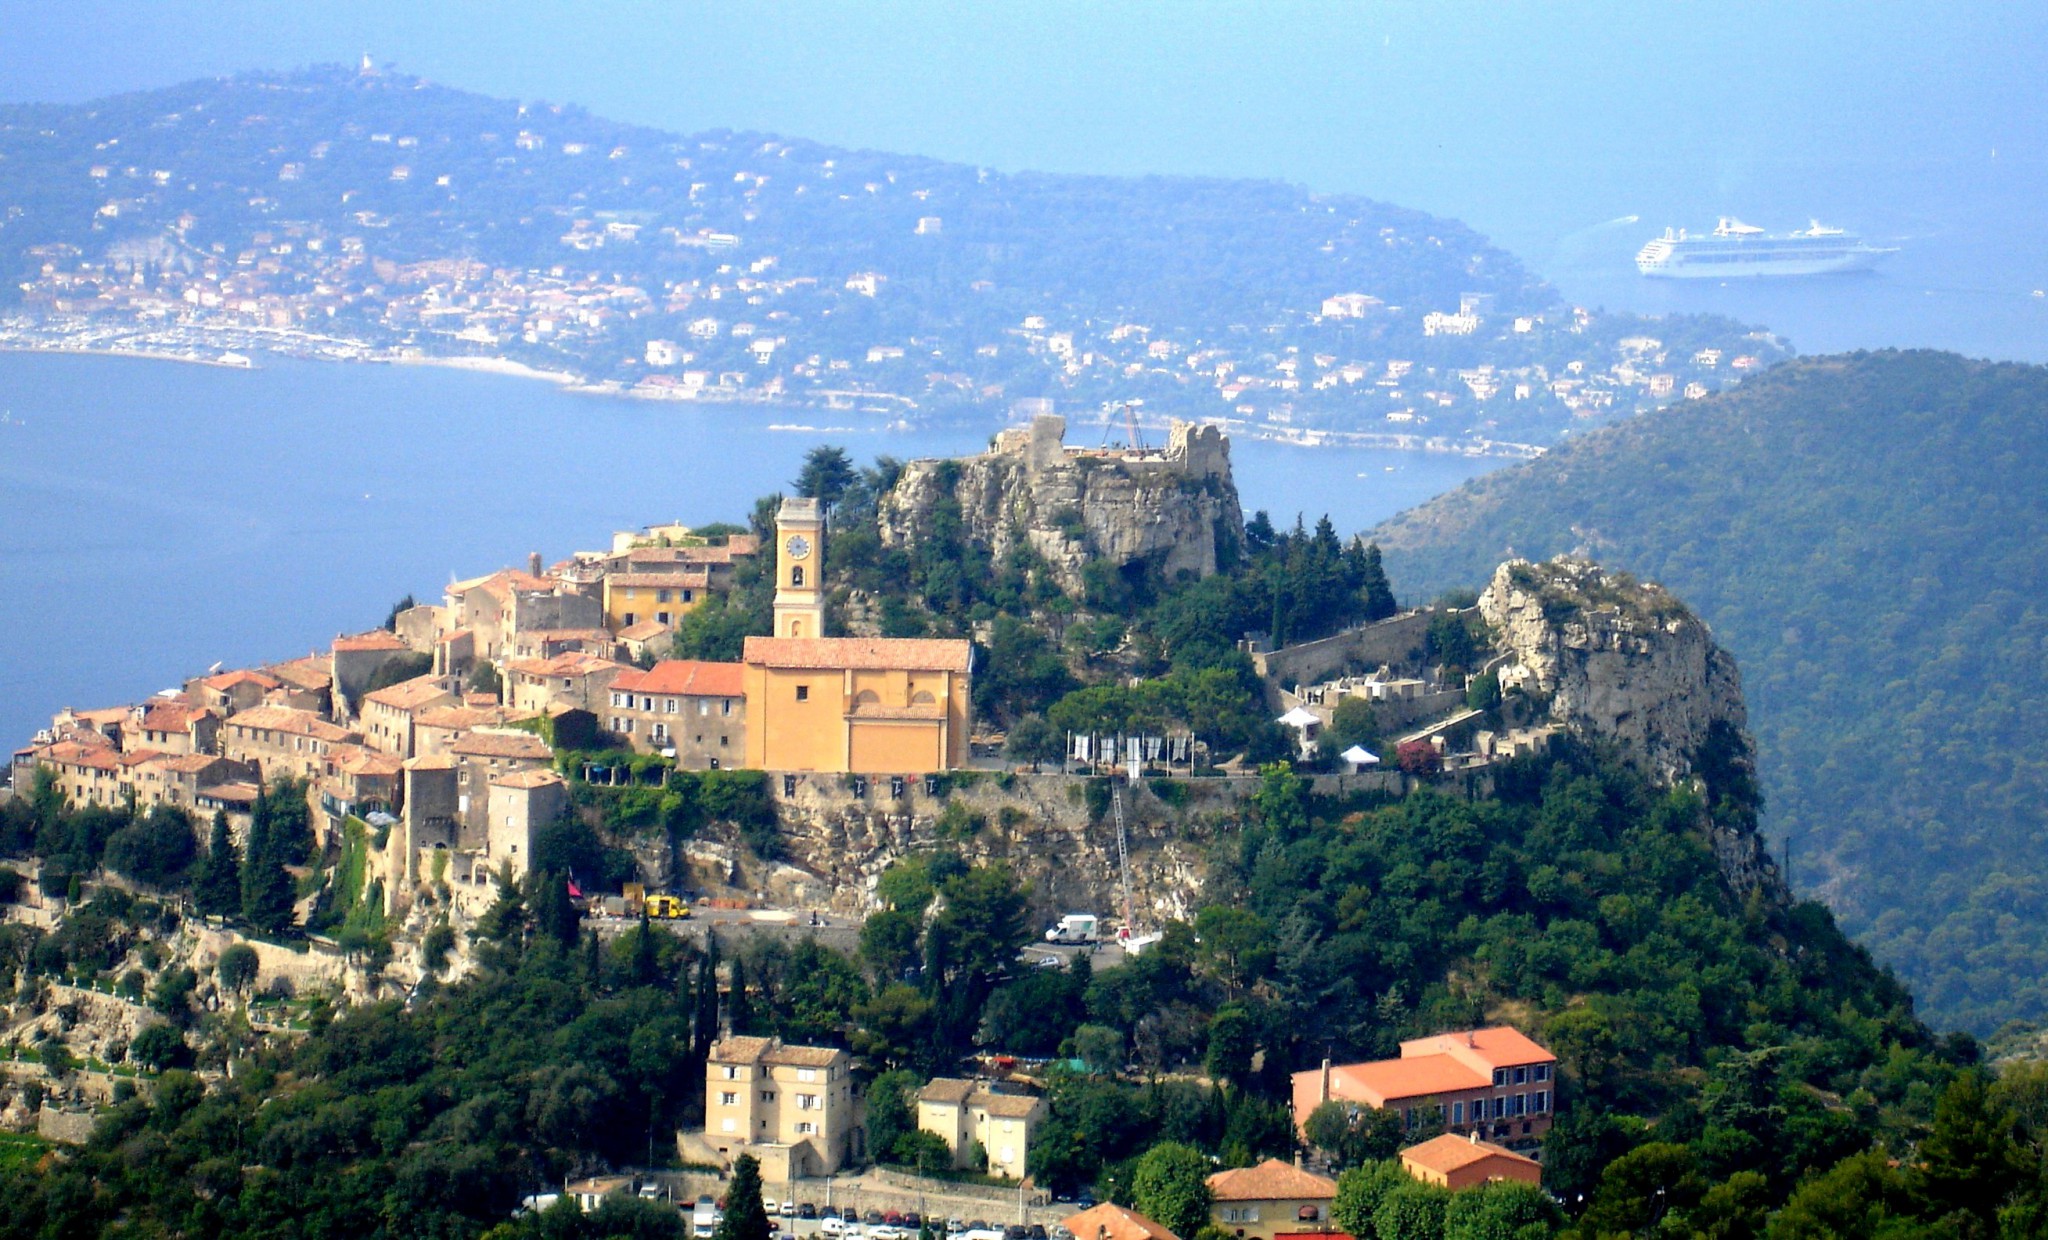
column 1007, row 1106
column 160, row 715
column 189, row 763
column 228, row 680
column 645, row 630
column 375, row 639
column 359, row 761
column 539, row 778
column 1499, row 1047
column 1271, row 1180
column 314, row 672
column 481, row 744
column 1384, row 1080
column 917, row 654
column 568, row 663
column 234, row 790
column 1450, row 1152
column 501, row 583
column 431, row 762
column 687, row 677
column 452, row 716
column 410, row 694
column 1110, row 1221
column 739, row 1050
column 697, row 579
column 287, row 719
column 946, row 1089
column 802, row 1056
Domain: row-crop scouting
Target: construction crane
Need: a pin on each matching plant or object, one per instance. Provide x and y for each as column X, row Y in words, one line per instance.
column 1134, row 439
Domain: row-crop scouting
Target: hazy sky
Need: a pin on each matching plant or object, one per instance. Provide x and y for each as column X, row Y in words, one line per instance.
column 1523, row 118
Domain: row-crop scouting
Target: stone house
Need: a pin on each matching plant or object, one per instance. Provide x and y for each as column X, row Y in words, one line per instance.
column 967, row 1114
column 519, row 804
column 1271, row 1198
column 1455, row 1162
column 389, row 714
column 792, row 1107
column 573, row 679
column 278, row 740
column 356, row 659
column 481, row 756
column 695, row 711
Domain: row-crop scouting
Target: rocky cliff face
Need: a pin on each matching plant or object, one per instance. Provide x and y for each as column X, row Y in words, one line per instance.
column 1625, row 661
column 1617, row 659
column 1175, row 509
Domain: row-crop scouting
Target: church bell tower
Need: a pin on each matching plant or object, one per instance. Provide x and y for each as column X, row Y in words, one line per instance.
column 799, row 569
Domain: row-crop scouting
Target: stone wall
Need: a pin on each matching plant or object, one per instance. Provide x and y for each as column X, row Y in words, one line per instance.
column 1392, row 641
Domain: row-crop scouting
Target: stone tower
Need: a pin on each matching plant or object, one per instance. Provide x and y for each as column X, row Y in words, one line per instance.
column 799, row 569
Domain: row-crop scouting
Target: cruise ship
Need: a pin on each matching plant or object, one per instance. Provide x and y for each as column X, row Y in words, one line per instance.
column 1737, row 250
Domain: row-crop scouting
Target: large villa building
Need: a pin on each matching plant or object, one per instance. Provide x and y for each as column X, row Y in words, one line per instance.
column 1494, row 1083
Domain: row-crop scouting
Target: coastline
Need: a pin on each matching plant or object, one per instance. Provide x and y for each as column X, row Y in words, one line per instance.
column 569, row 381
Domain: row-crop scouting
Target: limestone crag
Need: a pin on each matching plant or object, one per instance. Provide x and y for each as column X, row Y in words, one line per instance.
column 1174, row 509
column 1617, row 659
column 1040, row 825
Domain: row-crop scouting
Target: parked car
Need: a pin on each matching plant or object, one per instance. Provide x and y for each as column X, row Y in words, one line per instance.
column 873, row 1218
column 1016, row 1231
column 788, row 1209
column 913, row 1220
column 893, row 1218
column 805, row 1209
column 956, row 1224
column 1060, row 1232
column 1036, row 1231
column 831, row 1224
column 829, row 1212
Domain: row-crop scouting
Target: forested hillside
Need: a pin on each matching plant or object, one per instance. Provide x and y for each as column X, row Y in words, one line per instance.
column 1865, row 533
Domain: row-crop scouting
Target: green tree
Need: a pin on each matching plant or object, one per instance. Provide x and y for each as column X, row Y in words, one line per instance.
column 218, row 890
column 1101, row 1048
column 157, row 1047
column 1411, row 1211
column 745, row 1217
column 891, row 1113
column 267, row 892
column 1171, row 1187
column 1360, row 1192
column 237, row 967
column 1032, row 739
column 1233, row 1037
column 826, row 474
column 1500, row 1210
column 1971, row 1160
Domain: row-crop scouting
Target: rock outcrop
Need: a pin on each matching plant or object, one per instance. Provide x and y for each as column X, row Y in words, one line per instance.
column 1175, row 510
column 1616, row 659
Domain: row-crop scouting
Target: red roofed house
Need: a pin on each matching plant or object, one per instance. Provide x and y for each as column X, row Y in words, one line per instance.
column 863, row 705
column 1455, row 1162
column 171, row 725
column 390, row 714
column 1271, row 1198
column 1110, row 1221
column 575, row 679
column 695, row 711
column 229, row 692
column 1495, row 1083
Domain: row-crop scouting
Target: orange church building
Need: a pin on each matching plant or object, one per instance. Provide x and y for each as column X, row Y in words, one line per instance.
column 859, row 705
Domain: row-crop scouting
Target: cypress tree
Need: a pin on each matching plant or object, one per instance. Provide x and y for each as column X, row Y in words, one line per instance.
column 739, row 1009
column 646, row 964
column 267, row 894
column 745, row 1217
column 218, row 890
column 704, row 1025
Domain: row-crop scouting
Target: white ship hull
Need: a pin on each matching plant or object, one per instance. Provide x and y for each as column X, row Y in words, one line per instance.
column 1741, row 253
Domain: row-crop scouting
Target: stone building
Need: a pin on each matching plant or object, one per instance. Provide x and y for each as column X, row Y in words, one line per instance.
column 968, row 1116
column 792, row 1107
column 691, row 710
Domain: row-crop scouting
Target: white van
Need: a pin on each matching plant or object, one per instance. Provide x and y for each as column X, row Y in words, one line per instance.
column 704, row 1218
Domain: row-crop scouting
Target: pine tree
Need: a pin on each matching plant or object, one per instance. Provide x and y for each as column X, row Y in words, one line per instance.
column 218, row 889
column 553, row 914
column 646, row 963
column 1377, row 592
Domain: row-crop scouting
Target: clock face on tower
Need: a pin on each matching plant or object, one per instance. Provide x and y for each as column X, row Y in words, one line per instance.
column 798, row 546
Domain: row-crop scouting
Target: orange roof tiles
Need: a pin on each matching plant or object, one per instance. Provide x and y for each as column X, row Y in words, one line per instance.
column 228, row 680
column 296, row 722
column 1110, row 1221
column 1386, row 1080
column 1271, row 1180
column 911, row 654
column 501, row 745
column 527, row 779
column 687, row 677
column 160, row 715
column 568, row 663
column 1449, row 1152
column 375, row 639
column 1498, row 1047
column 410, row 694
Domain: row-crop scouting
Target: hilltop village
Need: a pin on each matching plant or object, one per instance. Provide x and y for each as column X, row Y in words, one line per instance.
column 548, row 750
